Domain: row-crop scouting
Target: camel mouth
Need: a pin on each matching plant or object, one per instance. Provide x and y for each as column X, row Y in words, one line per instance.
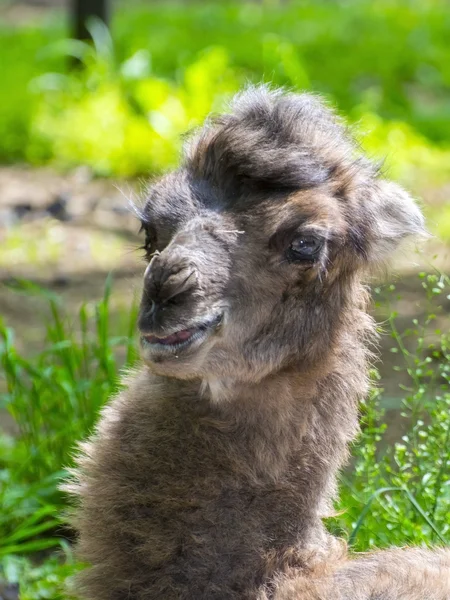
column 182, row 339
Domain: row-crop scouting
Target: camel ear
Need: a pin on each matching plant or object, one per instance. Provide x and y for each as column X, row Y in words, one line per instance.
column 393, row 216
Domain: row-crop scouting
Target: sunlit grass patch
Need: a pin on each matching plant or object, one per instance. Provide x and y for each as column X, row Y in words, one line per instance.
column 406, row 155
column 42, row 581
column 440, row 219
column 122, row 119
column 46, row 248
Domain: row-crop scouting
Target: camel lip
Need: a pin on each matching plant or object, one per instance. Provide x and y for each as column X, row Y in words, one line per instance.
column 180, row 336
column 181, row 339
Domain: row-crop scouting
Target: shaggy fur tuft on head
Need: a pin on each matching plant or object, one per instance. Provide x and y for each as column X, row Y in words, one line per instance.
column 273, row 141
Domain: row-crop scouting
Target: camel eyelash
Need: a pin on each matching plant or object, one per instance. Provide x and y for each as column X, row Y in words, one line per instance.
column 148, row 247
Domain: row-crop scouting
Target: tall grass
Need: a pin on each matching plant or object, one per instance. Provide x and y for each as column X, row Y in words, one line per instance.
column 54, row 399
column 400, row 494
column 390, row 495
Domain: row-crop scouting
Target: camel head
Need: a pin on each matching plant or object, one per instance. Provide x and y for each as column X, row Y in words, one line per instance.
column 256, row 245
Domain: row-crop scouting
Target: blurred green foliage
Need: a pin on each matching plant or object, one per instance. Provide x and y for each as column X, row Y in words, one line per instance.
column 168, row 64
column 43, row 581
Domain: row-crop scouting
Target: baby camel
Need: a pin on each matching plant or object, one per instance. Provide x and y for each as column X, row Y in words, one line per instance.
column 209, row 474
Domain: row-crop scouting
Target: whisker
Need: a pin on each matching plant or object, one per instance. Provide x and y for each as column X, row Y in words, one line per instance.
column 134, row 202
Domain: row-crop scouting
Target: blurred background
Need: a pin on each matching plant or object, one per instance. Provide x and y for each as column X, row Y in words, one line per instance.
column 92, row 107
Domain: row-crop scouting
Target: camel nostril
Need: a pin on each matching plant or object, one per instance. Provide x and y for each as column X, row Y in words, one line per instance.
column 178, row 284
column 168, row 287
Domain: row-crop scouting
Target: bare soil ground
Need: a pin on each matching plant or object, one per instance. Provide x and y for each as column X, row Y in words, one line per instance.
column 66, row 233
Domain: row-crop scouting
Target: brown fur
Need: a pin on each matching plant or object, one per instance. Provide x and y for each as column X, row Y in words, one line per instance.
column 407, row 574
column 210, row 472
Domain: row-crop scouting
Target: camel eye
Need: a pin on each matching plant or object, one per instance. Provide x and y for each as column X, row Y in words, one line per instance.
column 305, row 247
